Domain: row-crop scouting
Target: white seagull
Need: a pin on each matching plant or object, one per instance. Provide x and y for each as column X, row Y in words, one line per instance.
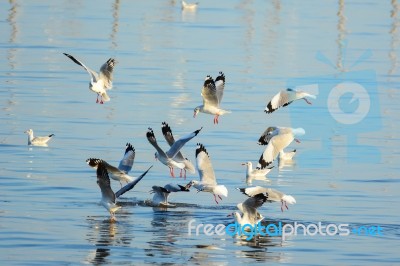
column 208, row 181
column 273, row 195
column 37, row 141
column 257, row 173
column 167, row 132
column 189, row 6
column 167, row 157
column 249, row 209
column 276, row 139
column 99, row 82
column 212, row 93
column 119, row 174
column 286, row 97
column 161, row 194
column 108, row 197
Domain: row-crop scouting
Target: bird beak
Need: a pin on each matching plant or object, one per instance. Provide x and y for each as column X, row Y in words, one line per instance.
column 230, row 215
column 244, row 163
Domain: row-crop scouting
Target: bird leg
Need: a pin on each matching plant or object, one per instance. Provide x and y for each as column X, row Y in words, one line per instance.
column 298, row 141
column 171, row 171
column 284, row 204
column 307, row 101
column 97, row 99
column 215, row 199
column 219, row 197
column 180, row 173
column 101, row 99
column 184, row 177
column 216, row 119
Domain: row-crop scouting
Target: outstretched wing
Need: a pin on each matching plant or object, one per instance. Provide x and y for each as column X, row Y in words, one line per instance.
column 279, row 100
column 103, row 180
column 131, row 185
column 209, row 92
column 128, row 159
column 204, row 166
column 220, row 86
column 167, row 132
column 180, row 143
column 93, row 75
column 106, row 72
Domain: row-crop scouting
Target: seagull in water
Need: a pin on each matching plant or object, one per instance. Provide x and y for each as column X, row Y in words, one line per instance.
column 255, row 174
column 168, row 157
column 37, row 141
column 208, row 181
column 99, row 82
column 276, row 139
column 161, row 194
column 212, row 93
column 125, row 165
column 189, row 6
column 286, row 97
column 108, row 197
column 249, row 209
column 167, row 132
column 272, row 194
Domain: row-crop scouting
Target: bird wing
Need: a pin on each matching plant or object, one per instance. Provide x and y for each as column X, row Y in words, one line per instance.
column 106, row 72
column 130, row 185
column 204, row 166
column 128, row 159
column 175, row 188
column 266, row 136
column 171, row 153
column 209, row 93
column 93, row 74
column 103, row 180
column 167, row 132
column 152, row 139
column 220, row 85
column 275, row 145
column 252, row 191
column 281, row 99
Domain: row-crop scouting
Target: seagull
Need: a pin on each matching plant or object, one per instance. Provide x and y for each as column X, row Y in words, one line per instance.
column 249, row 209
column 167, row 157
column 189, row 6
column 125, row 165
column 161, row 194
column 167, row 132
column 37, row 141
column 99, row 82
column 276, row 139
column 272, row 194
column 286, row 97
column 212, row 93
column 259, row 174
column 208, row 182
column 108, row 197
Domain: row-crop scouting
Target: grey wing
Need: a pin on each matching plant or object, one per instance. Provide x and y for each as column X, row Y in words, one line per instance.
column 103, row 180
column 169, row 137
column 204, row 166
column 209, row 92
column 152, row 139
column 274, row 195
column 252, row 191
column 220, row 86
column 173, row 151
column 274, row 147
column 93, row 75
column 106, row 72
column 266, row 136
column 128, row 159
column 255, row 201
column 131, row 185
column 175, row 188
column 279, row 100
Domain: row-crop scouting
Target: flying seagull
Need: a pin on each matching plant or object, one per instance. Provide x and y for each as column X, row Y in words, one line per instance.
column 108, row 197
column 212, row 93
column 286, row 97
column 99, row 82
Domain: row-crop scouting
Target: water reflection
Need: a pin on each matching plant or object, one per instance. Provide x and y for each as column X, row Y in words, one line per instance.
column 104, row 235
column 341, row 27
column 115, row 25
column 394, row 43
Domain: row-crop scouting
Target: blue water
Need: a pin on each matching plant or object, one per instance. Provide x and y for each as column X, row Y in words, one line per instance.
column 342, row 173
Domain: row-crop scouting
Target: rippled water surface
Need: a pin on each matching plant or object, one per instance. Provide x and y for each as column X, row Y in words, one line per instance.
column 345, row 172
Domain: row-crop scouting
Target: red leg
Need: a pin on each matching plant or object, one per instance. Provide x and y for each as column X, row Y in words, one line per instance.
column 287, row 208
column 215, row 199
column 171, row 172
column 219, row 197
column 216, row 119
column 298, row 141
column 101, row 100
column 97, row 99
column 185, row 174
column 281, row 205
